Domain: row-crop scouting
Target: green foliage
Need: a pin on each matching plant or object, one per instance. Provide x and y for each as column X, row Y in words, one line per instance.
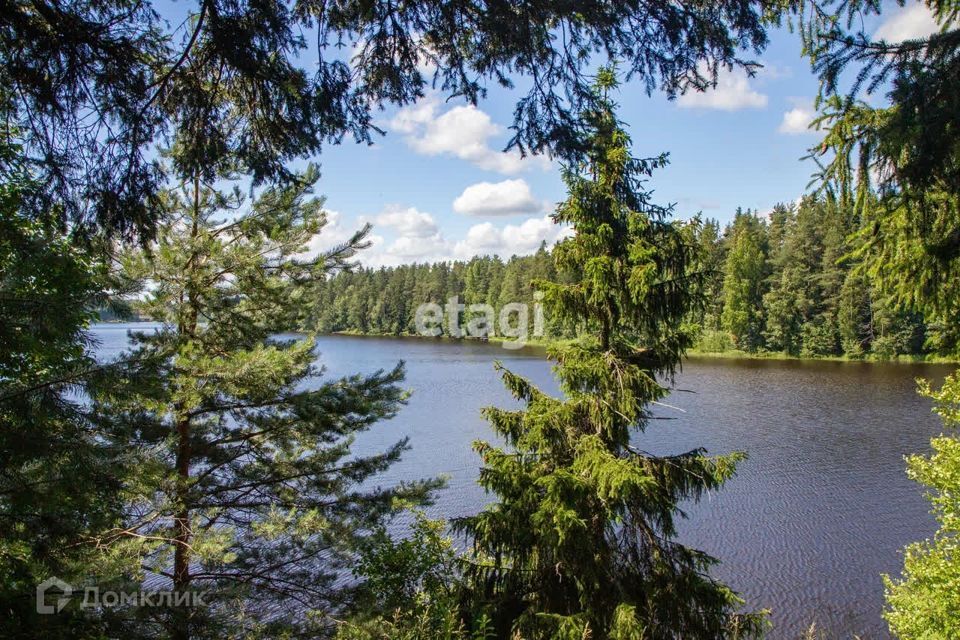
column 820, row 339
column 911, row 261
column 911, row 143
column 397, row 572
column 246, row 486
column 784, row 306
column 713, row 256
column 894, row 165
column 854, row 315
column 713, row 341
column 923, row 603
column 231, row 79
column 744, row 274
column 59, row 485
column 411, row 589
column 816, row 293
column 384, row 301
column 581, row 540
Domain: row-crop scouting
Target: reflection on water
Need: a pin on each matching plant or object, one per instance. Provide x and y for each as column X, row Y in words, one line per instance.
column 819, row 510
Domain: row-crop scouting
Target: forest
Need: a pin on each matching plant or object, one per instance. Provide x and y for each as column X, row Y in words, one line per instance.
column 207, row 480
column 785, row 283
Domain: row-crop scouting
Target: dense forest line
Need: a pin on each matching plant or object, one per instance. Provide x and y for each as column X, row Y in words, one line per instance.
column 788, row 282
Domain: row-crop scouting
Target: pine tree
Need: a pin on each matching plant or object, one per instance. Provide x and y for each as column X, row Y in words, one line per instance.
column 247, row 488
column 76, row 68
column 897, row 165
column 581, row 540
column 908, row 147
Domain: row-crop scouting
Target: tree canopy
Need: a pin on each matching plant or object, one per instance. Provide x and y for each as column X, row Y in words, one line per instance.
column 98, row 87
column 247, row 488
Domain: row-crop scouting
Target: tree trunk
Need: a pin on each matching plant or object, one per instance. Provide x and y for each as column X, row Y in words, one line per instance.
column 182, row 528
column 181, row 553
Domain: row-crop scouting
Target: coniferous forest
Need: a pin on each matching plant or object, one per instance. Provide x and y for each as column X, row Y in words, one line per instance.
column 789, row 282
column 211, row 477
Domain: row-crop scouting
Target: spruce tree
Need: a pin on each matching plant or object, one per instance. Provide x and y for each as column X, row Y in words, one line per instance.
column 712, row 252
column 59, row 484
column 581, row 541
column 247, row 488
column 897, row 165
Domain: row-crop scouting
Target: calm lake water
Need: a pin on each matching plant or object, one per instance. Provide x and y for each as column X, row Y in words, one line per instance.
column 820, row 509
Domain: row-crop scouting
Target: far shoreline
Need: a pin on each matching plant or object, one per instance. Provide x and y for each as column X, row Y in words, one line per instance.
column 692, row 354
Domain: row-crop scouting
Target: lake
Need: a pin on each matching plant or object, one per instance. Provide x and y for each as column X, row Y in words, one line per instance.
column 820, row 509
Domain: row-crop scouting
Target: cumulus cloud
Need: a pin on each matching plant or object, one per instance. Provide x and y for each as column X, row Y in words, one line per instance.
column 512, row 239
column 907, row 23
column 732, row 93
column 505, row 198
column 407, row 221
column 406, row 235
column 797, row 120
column 407, row 249
column 417, row 238
column 463, row 132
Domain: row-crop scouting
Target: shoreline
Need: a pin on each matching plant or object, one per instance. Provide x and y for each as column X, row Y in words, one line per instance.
column 777, row 355
column 693, row 353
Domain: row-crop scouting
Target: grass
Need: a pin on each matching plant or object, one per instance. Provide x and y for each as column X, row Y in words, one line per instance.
column 737, row 354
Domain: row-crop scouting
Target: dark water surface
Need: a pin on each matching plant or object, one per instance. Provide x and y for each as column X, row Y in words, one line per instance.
column 815, row 515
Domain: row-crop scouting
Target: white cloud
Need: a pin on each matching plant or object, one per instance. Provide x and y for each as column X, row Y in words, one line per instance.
column 773, row 71
column 487, row 239
column 732, row 93
column 463, row 131
column 414, row 236
column 417, row 238
column 415, row 117
column 408, row 249
column 907, row 23
column 407, row 221
column 797, row 121
column 504, row 198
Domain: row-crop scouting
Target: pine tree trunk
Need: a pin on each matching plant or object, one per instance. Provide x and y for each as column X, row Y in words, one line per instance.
column 181, row 554
column 182, row 528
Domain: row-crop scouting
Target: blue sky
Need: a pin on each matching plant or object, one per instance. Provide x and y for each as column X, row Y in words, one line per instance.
column 437, row 186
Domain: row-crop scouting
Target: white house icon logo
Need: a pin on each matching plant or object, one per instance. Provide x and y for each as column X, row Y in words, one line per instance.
column 56, row 587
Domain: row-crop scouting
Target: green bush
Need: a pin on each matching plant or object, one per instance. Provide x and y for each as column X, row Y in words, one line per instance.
column 411, row 589
column 714, row 341
column 819, row 339
column 924, row 603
